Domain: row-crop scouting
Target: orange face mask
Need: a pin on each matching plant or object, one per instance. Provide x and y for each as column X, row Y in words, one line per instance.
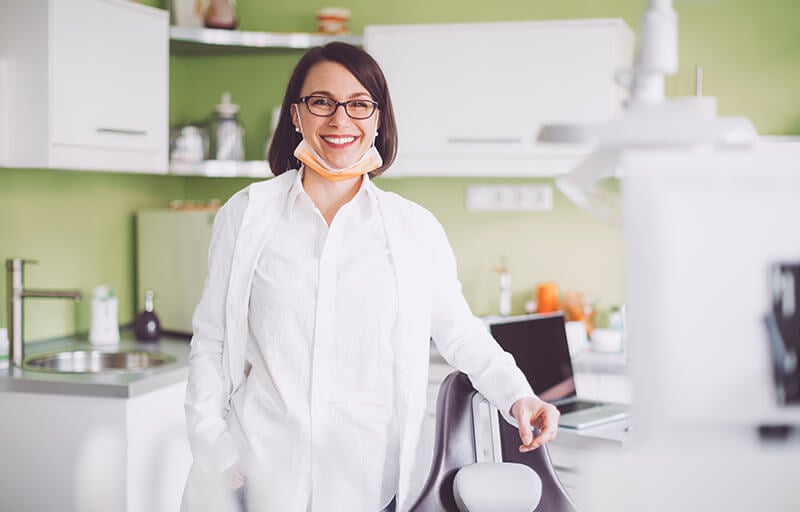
column 369, row 161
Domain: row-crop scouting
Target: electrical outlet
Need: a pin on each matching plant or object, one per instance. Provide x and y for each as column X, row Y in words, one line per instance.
column 510, row 198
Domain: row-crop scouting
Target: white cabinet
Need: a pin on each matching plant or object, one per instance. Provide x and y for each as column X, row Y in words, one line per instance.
column 470, row 98
column 79, row 453
column 89, row 86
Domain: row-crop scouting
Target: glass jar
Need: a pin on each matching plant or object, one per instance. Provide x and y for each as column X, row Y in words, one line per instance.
column 227, row 132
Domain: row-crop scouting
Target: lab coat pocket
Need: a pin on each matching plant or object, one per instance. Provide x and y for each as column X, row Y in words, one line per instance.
column 237, row 395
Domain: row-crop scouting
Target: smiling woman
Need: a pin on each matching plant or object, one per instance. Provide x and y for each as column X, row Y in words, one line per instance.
column 312, row 338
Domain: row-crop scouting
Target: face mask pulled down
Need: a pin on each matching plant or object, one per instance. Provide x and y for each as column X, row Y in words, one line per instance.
column 369, row 161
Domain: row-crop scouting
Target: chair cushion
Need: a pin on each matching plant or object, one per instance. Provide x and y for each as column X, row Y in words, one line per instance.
column 497, row 487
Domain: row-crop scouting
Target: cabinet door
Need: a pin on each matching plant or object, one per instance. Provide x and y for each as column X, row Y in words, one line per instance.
column 108, row 72
column 481, row 91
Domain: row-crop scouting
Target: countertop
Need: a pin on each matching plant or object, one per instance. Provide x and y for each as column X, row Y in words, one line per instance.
column 109, row 384
column 128, row 384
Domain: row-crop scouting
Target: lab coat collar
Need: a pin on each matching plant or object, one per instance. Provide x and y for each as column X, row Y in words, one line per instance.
column 297, row 195
column 366, row 197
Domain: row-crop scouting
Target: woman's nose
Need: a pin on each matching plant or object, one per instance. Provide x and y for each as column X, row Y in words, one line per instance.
column 339, row 116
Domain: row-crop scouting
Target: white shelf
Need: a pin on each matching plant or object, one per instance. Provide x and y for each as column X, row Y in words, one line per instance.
column 222, row 169
column 188, row 40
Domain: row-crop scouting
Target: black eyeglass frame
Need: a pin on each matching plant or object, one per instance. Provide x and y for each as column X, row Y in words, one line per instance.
column 304, row 100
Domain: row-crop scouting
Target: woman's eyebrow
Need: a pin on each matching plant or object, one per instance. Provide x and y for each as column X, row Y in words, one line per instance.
column 329, row 94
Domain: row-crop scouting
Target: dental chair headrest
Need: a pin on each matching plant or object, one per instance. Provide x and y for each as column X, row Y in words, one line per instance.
column 497, row 487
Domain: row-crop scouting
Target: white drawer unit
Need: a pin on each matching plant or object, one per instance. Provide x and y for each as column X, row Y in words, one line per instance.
column 470, row 98
column 88, row 82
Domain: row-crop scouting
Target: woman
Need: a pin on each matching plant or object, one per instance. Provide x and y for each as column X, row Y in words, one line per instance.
column 310, row 353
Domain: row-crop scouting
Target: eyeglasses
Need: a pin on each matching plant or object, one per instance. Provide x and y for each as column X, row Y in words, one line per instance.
column 323, row 106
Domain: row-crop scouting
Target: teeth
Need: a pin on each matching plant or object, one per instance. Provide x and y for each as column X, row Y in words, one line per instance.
column 339, row 140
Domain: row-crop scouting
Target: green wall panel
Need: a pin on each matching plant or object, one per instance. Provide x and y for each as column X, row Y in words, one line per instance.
column 564, row 244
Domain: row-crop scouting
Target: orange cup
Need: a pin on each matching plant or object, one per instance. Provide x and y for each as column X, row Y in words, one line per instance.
column 547, row 298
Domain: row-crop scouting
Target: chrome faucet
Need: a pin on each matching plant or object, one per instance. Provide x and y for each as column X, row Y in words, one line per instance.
column 16, row 292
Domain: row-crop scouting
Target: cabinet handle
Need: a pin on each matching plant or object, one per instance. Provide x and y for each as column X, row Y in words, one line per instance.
column 122, row 131
column 484, row 140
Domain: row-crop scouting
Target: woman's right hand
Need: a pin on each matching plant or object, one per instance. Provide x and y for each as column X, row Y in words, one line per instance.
column 234, row 476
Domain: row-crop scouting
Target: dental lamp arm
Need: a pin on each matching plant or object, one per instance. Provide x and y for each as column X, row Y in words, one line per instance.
column 657, row 53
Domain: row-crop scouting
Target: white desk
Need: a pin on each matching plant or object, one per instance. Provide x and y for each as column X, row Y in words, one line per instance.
column 598, row 376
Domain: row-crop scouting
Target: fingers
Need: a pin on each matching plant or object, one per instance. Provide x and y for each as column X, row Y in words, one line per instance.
column 524, row 419
column 545, row 420
column 234, row 476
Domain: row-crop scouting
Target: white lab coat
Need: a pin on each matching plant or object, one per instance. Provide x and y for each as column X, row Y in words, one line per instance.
column 430, row 304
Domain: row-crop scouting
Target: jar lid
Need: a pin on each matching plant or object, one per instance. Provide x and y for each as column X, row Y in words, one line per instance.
column 225, row 107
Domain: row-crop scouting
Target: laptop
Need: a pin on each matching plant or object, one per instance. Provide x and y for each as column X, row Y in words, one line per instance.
column 539, row 346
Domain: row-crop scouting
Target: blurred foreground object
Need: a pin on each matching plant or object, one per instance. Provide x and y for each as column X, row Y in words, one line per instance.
column 650, row 120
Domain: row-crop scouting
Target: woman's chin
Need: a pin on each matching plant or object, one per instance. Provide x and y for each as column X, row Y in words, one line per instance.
column 340, row 163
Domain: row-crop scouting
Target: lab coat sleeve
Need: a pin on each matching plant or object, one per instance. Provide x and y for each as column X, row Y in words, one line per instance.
column 207, row 389
column 463, row 339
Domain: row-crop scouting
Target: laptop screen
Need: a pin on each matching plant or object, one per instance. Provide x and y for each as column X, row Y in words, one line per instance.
column 539, row 346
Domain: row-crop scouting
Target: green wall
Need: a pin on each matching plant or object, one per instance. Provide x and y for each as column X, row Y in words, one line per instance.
column 79, row 225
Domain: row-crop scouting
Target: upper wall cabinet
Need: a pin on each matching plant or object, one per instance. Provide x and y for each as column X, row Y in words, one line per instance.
column 470, row 98
column 88, row 85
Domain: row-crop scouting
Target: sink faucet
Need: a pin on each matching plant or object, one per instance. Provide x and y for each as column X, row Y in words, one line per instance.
column 17, row 292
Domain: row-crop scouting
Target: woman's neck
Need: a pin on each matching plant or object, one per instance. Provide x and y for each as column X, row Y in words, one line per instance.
column 328, row 195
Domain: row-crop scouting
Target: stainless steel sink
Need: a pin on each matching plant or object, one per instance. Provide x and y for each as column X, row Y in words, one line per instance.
column 95, row 361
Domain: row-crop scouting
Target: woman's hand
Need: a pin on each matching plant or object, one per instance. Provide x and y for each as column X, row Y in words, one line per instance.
column 234, row 476
column 531, row 412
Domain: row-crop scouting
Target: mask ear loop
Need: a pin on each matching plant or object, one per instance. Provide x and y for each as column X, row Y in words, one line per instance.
column 300, row 129
column 374, row 137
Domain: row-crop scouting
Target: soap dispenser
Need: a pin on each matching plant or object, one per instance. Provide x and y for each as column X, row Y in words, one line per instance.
column 104, row 329
column 147, row 326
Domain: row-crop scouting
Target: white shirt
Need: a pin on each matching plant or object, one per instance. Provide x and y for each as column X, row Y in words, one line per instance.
column 429, row 304
column 322, row 306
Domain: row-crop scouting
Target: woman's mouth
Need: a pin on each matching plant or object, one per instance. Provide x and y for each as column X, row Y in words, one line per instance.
column 343, row 140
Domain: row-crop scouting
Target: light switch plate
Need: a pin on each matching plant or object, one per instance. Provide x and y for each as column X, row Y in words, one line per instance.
column 510, row 197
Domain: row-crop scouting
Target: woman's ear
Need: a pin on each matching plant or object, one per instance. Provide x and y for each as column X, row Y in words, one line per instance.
column 293, row 113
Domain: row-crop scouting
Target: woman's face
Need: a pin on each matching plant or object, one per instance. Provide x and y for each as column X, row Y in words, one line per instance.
column 339, row 139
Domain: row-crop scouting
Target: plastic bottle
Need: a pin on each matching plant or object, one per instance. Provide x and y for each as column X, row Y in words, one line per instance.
column 3, row 342
column 505, row 289
column 104, row 329
column 147, row 326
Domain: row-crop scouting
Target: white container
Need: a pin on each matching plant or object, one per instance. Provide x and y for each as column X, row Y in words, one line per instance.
column 577, row 339
column 505, row 292
column 3, row 341
column 187, row 13
column 104, row 329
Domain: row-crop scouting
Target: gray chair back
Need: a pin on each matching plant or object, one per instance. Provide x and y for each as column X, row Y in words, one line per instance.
column 454, row 447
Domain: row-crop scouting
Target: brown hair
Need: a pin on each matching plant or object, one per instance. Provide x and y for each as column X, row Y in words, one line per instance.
column 364, row 68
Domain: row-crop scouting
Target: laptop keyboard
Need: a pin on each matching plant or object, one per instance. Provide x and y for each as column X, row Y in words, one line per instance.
column 575, row 406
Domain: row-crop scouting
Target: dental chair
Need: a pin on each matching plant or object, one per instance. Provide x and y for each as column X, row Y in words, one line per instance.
column 472, row 436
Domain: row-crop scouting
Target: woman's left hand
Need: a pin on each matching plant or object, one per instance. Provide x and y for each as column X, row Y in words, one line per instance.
column 531, row 412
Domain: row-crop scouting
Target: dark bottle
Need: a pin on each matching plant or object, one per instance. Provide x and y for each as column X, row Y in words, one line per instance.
column 147, row 326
